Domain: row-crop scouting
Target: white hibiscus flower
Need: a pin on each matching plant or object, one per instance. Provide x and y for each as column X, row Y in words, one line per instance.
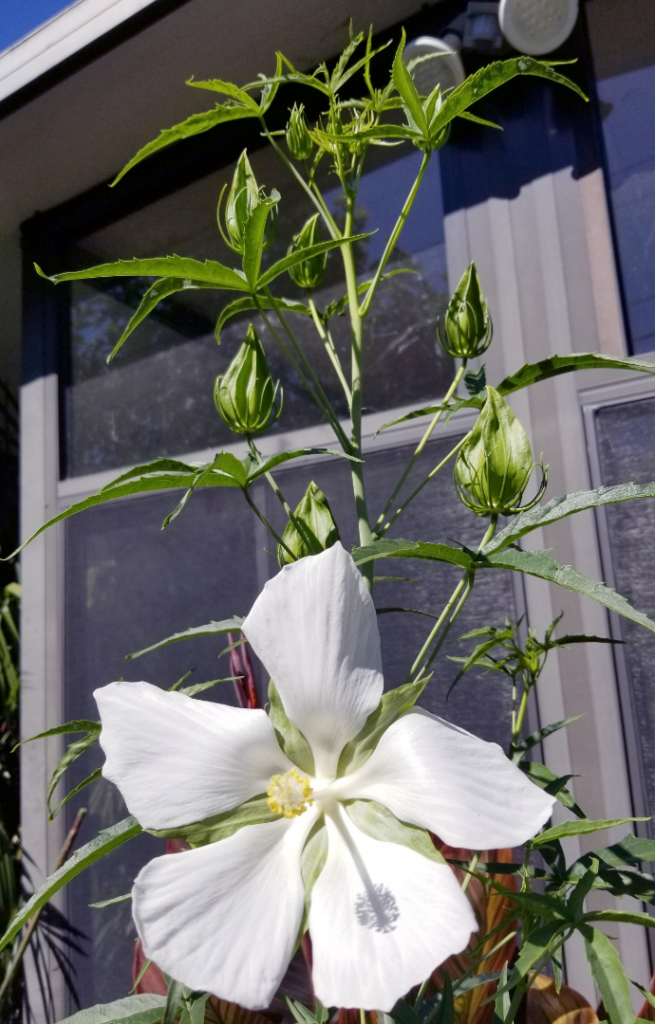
column 225, row 917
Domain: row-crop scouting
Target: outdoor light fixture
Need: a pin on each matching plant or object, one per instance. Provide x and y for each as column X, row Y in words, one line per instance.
column 446, row 70
column 481, row 31
column 537, row 26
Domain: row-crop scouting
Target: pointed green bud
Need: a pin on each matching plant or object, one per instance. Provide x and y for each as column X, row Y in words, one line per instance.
column 310, row 273
column 299, row 141
column 495, row 465
column 244, row 196
column 246, row 396
column 467, row 324
column 314, row 529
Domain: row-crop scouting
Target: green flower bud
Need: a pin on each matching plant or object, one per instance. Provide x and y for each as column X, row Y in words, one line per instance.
column 314, row 529
column 309, row 273
column 467, row 324
column 495, row 465
column 244, row 196
column 299, row 141
column 246, row 396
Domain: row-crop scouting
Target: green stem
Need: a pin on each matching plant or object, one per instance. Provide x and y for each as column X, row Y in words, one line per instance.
column 470, row 871
column 420, row 666
column 415, row 493
column 266, row 523
column 318, row 202
column 395, row 234
column 318, row 391
column 299, row 525
column 518, row 722
column 357, row 326
column 333, row 356
column 421, row 993
column 421, row 445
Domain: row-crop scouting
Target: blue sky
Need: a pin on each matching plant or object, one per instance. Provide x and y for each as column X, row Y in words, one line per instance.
column 18, row 17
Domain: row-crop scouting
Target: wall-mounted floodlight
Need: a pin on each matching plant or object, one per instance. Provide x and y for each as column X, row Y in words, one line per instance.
column 446, row 69
column 537, row 26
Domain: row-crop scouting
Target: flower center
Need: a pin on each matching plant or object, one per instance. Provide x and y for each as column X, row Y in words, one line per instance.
column 289, row 794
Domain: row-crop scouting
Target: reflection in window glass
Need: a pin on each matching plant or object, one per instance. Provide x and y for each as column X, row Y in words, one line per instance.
column 622, row 36
column 156, row 397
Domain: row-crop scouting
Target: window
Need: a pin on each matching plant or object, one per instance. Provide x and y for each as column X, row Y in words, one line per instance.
column 622, row 35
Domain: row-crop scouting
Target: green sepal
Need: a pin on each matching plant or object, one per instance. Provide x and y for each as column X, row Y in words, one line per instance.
column 289, row 736
column 376, row 821
column 393, row 704
column 312, row 529
column 220, row 826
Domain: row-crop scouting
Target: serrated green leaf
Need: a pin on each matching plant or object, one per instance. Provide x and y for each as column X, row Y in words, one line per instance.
column 71, row 754
column 194, row 125
column 106, row 841
column 413, row 549
column 255, row 811
column 248, row 303
column 192, row 691
column 393, row 704
column 539, row 735
column 407, row 90
column 255, row 470
column 540, row 942
column 373, row 819
column 540, row 564
column 289, row 736
column 140, row 1009
column 210, row 272
column 609, row 975
column 232, row 625
column 566, row 505
column 226, row 89
column 93, row 777
column 553, row 784
column 154, row 295
column 580, row 827
column 77, row 725
column 304, row 254
column 533, row 373
column 621, row 916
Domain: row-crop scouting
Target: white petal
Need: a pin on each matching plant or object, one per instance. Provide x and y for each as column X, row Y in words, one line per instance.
column 382, row 918
column 224, row 918
column 177, row 760
column 433, row 774
column 314, row 628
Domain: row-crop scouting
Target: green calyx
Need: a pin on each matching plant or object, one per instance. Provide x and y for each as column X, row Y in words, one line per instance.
column 310, row 272
column 244, row 197
column 468, row 329
column 312, row 529
column 299, row 141
column 494, row 467
column 246, row 396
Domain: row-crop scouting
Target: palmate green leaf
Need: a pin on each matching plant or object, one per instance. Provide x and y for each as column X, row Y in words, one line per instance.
column 394, row 703
column 634, row 848
column 140, row 1009
column 289, row 736
column 304, row 254
column 491, row 77
column 534, row 373
column 248, row 304
column 566, row 505
column 580, row 827
column 541, row 565
column 376, row 821
column 209, row 273
column 106, row 841
column 232, row 625
column 609, row 975
column 157, row 291
column 227, row 89
column 255, row 470
column 194, row 125
column 220, row 826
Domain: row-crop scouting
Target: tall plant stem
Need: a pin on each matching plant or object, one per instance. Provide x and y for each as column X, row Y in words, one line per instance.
column 520, row 716
column 394, row 236
column 333, row 356
column 357, row 329
column 461, row 594
column 34, row 920
column 420, row 446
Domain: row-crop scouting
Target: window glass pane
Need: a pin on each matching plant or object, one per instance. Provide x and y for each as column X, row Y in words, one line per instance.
column 129, row 584
column 626, row 437
column 622, row 34
column 156, row 397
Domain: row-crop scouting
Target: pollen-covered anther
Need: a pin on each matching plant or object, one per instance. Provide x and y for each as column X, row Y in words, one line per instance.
column 289, row 794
